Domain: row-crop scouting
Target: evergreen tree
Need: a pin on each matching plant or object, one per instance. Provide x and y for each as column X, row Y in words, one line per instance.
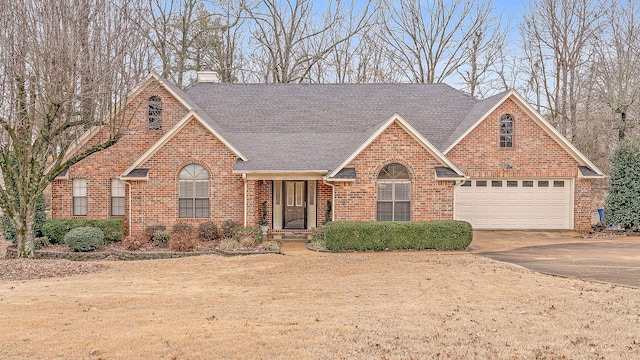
column 622, row 207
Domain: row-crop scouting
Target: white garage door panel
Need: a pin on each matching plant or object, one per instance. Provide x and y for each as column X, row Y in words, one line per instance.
column 503, row 207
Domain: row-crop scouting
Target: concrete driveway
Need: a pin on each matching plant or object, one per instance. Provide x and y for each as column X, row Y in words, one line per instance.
column 612, row 260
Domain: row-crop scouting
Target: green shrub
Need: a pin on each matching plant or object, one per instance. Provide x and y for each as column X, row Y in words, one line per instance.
column 9, row 232
column 622, row 206
column 182, row 227
column 84, row 238
column 113, row 228
column 437, row 235
column 160, row 238
column 228, row 228
column 208, row 230
column 248, row 236
column 56, row 229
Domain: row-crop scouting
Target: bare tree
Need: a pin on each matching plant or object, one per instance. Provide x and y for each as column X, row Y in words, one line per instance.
column 485, row 57
column 429, row 39
column 289, row 41
column 617, row 66
column 181, row 33
column 48, row 48
column 557, row 38
column 225, row 53
column 361, row 59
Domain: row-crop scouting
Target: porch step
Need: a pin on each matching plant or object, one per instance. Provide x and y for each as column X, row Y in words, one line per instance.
column 289, row 236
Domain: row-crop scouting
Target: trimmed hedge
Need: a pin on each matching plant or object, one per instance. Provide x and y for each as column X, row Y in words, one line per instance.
column 56, row 229
column 361, row 236
column 84, row 238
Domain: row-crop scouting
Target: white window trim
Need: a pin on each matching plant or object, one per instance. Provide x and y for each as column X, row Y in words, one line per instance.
column 79, row 192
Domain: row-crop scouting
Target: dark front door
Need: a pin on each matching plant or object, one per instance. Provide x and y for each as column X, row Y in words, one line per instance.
column 295, row 195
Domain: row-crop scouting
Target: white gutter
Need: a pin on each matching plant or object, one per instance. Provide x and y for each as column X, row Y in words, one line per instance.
column 128, row 215
column 244, row 178
column 333, row 199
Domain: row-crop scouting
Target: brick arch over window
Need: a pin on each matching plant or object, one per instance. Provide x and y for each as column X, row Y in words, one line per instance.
column 399, row 161
column 506, row 131
column 193, row 192
column 394, row 193
column 154, row 120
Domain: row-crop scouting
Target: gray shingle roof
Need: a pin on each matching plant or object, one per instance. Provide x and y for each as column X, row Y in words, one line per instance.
column 586, row 171
column 137, row 173
column 305, row 127
column 448, row 173
column 346, row 173
column 63, row 173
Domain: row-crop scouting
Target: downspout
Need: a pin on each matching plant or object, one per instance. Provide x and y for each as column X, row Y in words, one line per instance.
column 244, row 178
column 333, row 199
column 129, row 212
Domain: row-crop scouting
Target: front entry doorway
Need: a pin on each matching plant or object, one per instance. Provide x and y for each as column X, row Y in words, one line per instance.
column 295, row 204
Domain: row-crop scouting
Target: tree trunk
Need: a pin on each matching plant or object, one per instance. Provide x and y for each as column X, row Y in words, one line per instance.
column 622, row 129
column 25, row 236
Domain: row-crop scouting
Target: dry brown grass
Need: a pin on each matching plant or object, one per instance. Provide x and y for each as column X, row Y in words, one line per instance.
column 318, row 306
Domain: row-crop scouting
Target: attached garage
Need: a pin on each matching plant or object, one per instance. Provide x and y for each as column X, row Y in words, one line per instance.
column 515, row 203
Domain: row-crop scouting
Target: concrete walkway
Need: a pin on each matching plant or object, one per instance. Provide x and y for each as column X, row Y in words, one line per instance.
column 612, row 260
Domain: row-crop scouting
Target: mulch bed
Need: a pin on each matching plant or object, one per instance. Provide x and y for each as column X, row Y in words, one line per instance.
column 58, row 260
column 27, row 269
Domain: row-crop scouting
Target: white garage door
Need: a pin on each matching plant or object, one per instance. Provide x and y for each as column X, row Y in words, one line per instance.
column 515, row 204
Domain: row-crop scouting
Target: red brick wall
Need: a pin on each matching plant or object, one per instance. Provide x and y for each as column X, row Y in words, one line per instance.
column 582, row 208
column 264, row 193
column 156, row 200
column 324, row 195
column 430, row 199
column 534, row 154
column 105, row 165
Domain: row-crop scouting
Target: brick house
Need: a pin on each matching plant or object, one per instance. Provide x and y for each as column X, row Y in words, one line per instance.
column 372, row 152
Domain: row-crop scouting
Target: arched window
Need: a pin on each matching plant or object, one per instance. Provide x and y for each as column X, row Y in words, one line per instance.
column 193, row 192
column 506, row 131
column 155, row 114
column 394, row 194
